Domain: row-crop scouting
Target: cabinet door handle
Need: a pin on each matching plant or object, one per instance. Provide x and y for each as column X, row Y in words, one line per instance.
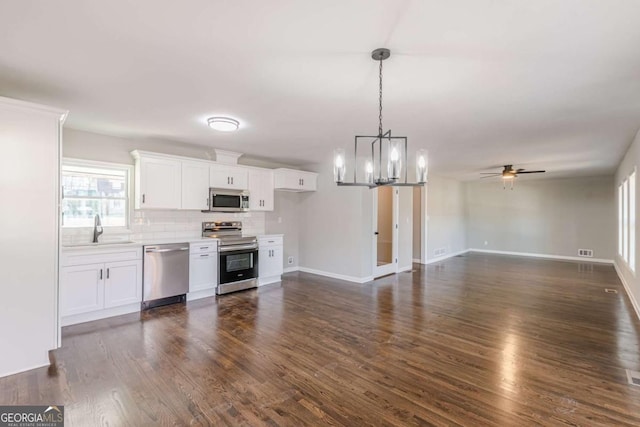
column 108, row 273
column 204, row 247
column 100, row 274
column 143, row 198
column 228, row 181
column 232, row 180
column 205, row 255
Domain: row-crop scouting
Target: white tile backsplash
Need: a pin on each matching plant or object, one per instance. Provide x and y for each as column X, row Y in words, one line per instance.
column 161, row 224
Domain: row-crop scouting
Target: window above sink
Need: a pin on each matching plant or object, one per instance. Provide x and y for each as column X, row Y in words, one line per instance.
column 92, row 188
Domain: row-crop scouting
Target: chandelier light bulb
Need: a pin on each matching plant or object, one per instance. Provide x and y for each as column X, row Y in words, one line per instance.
column 339, row 166
column 368, row 172
column 394, row 166
column 421, row 166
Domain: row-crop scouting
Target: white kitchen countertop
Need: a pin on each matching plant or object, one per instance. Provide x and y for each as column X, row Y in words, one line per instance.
column 138, row 243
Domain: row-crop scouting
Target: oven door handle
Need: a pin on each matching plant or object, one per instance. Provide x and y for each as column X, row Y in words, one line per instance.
column 237, row 248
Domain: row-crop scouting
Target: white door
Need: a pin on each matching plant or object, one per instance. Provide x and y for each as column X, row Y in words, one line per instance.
column 81, row 289
column 385, row 233
column 160, row 185
column 122, row 283
column 195, row 185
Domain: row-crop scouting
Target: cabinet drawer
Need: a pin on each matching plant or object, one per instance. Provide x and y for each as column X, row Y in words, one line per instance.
column 203, row 247
column 99, row 256
column 270, row 241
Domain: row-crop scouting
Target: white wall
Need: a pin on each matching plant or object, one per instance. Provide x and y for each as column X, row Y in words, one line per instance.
column 405, row 228
column 445, row 210
column 92, row 146
column 335, row 227
column 543, row 216
column 630, row 161
column 285, row 220
column 29, row 167
column 417, row 223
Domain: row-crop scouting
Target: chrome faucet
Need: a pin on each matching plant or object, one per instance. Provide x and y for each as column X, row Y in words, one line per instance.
column 96, row 224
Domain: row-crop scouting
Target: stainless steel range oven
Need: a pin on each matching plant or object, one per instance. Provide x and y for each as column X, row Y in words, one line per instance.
column 238, row 256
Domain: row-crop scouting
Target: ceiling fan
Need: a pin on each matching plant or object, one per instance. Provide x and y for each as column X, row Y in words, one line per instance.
column 508, row 174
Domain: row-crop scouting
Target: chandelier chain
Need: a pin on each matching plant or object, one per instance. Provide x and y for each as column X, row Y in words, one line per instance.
column 380, row 102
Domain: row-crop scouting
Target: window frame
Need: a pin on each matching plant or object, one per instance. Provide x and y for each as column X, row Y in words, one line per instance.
column 627, row 214
column 127, row 168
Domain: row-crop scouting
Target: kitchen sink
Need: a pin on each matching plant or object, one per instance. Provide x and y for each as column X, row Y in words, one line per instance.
column 99, row 244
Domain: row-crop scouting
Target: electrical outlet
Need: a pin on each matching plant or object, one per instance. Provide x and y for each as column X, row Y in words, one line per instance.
column 290, row 260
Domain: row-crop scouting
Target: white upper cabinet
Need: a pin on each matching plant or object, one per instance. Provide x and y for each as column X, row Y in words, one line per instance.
column 157, row 182
column 295, row 180
column 195, row 185
column 228, row 176
column 163, row 181
column 261, row 190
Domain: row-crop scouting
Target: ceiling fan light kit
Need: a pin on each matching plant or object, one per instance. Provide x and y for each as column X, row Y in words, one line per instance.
column 395, row 153
column 508, row 174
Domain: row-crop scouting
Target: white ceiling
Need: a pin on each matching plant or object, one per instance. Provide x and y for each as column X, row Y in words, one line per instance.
column 538, row 84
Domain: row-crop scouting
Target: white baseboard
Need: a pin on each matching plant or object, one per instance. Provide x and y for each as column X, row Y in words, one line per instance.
column 99, row 314
column 417, row 260
column 627, row 289
column 291, row 269
column 406, row 268
column 547, row 256
column 7, row 373
column 191, row 296
column 443, row 257
column 269, row 280
column 336, row 276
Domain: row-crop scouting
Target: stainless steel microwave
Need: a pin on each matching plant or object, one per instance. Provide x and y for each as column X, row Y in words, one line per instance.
column 224, row 200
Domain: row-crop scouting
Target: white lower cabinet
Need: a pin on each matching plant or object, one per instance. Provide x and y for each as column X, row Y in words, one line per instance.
column 203, row 270
column 81, row 289
column 98, row 284
column 270, row 259
column 121, row 283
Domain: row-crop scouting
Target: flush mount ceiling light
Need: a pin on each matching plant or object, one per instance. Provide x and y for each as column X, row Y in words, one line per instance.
column 395, row 152
column 223, row 124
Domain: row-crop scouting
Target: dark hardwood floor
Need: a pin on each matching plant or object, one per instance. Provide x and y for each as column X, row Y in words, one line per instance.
column 475, row 340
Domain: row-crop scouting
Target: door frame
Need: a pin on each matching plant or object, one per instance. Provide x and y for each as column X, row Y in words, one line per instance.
column 383, row 270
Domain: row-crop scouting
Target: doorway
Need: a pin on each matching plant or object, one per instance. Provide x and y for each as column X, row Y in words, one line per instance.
column 385, row 233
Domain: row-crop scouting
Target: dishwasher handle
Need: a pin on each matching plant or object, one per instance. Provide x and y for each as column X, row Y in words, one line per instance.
column 154, row 250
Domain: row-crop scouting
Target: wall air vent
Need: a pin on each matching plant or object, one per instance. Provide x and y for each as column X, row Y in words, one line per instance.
column 585, row 252
column 440, row 252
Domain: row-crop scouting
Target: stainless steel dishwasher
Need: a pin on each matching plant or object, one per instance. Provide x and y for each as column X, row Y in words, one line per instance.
column 165, row 274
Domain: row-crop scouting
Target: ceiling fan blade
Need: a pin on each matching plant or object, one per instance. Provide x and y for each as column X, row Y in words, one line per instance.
column 520, row 170
column 490, row 176
column 531, row 172
column 490, row 173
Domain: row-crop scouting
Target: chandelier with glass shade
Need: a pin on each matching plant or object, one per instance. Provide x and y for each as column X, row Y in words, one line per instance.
column 386, row 163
